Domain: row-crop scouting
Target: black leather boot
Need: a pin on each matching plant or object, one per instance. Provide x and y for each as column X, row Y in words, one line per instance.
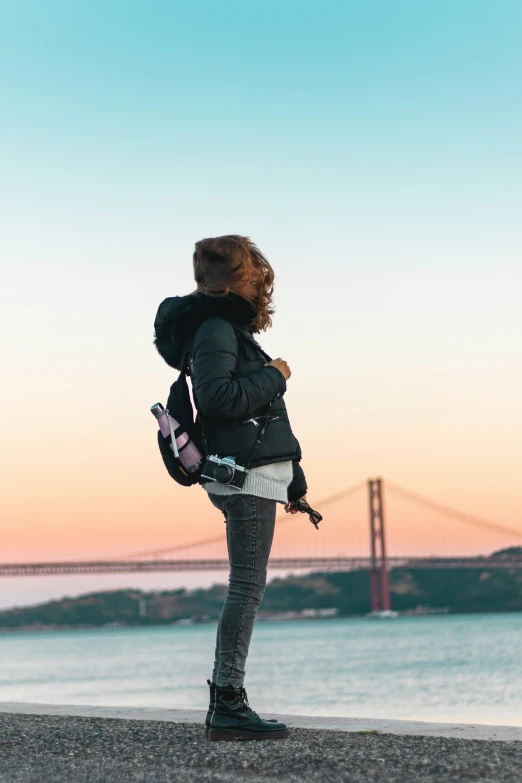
column 212, row 686
column 233, row 718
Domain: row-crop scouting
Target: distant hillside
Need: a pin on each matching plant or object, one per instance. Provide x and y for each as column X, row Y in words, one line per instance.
column 461, row 590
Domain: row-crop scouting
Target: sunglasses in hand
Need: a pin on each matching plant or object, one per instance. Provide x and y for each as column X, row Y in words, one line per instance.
column 303, row 505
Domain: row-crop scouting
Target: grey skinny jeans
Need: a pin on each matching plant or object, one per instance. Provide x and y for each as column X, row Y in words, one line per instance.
column 250, row 522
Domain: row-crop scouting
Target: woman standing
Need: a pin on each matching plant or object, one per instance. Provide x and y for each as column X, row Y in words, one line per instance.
column 239, row 398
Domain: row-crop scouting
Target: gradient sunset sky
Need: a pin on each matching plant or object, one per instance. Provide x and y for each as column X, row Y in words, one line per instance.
column 373, row 152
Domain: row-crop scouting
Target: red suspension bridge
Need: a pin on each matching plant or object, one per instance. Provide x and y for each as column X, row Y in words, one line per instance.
column 378, row 563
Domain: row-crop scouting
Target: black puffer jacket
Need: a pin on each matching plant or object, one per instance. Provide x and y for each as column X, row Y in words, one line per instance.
column 231, row 386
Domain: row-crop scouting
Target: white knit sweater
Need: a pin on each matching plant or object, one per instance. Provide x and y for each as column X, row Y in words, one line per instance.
column 266, row 481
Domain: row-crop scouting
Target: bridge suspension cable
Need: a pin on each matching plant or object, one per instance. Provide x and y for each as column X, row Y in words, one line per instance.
column 452, row 512
column 280, row 520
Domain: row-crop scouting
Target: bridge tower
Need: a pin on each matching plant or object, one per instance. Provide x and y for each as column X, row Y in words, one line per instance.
column 379, row 585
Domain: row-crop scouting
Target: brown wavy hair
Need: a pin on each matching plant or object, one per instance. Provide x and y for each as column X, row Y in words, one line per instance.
column 220, row 262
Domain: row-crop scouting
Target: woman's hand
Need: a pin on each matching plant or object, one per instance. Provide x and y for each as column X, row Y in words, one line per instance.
column 289, row 507
column 282, row 366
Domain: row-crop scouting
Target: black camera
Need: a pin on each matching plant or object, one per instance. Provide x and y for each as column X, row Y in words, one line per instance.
column 224, row 470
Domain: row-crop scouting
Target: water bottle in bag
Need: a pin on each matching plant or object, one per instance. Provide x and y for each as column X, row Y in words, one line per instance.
column 184, row 449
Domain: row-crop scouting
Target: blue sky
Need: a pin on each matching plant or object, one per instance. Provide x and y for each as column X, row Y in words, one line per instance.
column 272, row 114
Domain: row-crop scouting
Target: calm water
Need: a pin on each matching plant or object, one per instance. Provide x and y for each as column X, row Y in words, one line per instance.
column 449, row 668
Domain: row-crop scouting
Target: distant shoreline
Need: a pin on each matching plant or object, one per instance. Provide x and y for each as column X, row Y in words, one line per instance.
column 144, row 626
column 319, row 595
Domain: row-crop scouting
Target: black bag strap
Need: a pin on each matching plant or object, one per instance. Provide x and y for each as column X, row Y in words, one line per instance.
column 183, row 370
column 249, row 339
column 259, row 438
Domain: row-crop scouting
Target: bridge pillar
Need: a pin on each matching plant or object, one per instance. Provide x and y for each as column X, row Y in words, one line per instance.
column 379, row 581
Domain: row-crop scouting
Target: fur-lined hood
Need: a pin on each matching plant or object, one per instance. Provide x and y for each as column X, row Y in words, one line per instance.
column 179, row 317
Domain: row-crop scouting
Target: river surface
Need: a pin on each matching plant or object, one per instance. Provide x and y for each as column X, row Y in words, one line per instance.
column 462, row 668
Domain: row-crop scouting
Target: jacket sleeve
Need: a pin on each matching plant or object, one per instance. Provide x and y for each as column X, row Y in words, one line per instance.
column 214, row 356
column 298, row 486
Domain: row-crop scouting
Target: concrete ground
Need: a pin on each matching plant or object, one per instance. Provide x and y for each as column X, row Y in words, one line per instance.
column 50, row 744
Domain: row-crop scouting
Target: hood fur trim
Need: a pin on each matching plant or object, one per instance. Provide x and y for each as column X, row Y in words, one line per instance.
column 179, row 317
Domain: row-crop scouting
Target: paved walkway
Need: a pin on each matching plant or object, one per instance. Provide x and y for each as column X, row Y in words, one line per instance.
column 411, row 728
column 46, row 744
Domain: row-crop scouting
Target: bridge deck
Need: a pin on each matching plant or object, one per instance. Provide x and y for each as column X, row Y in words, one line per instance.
column 315, row 563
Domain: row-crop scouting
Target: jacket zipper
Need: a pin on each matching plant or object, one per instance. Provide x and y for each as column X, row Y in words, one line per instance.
column 257, row 423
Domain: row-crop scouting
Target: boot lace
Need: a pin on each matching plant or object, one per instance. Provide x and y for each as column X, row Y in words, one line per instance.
column 244, row 699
